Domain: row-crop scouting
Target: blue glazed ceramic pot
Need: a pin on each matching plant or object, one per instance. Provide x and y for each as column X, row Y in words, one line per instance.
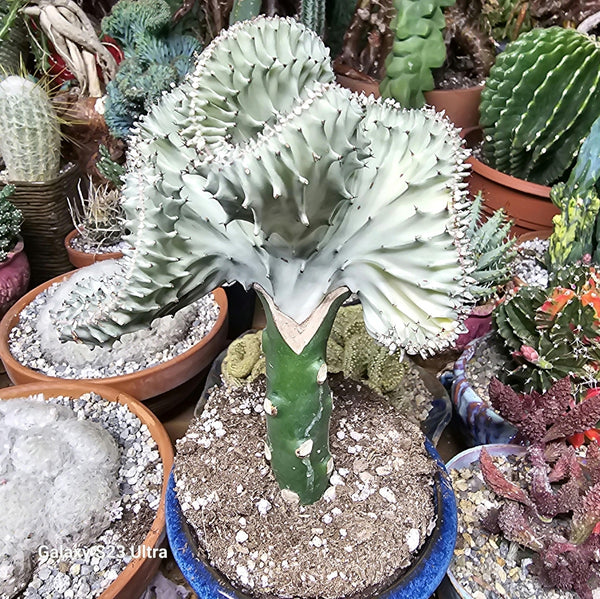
column 418, row 582
column 481, row 425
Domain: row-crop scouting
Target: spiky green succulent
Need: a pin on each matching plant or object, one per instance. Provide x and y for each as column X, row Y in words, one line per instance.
column 30, row 140
column 257, row 168
column 492, row 250
column 552, row 333
column 418, row 48
column 539, row 103
column 577, row 228
column 14, row 41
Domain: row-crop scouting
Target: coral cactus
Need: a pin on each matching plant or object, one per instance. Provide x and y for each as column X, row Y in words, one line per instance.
column 537, row 512
column 418, row 47
column 10, row 222
column 492, row 250
column 257, row 169
column 540, row 102
column 554, row 332
column 155, row 59
column 30, row 141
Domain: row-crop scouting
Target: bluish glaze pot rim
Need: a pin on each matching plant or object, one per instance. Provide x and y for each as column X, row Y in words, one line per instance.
column 421, row 580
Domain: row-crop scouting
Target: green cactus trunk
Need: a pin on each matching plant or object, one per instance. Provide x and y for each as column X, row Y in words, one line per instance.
column 298, row 408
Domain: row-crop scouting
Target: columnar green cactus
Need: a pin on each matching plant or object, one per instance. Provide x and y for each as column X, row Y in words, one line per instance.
column 492, row 250
column 539, row 103
column 418, row 48
column 312, row 14
column 11, row 220
column 30, row 140
column 258, row 169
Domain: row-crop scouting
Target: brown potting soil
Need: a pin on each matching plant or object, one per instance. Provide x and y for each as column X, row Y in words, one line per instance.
column 355, row 540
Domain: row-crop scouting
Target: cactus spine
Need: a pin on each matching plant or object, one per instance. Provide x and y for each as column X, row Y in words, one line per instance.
column 258, row 169
column 418, row 48
column 540, row 102
column 30, row 141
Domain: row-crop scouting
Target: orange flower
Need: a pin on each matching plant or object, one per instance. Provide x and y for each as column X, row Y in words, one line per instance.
column 558, row 300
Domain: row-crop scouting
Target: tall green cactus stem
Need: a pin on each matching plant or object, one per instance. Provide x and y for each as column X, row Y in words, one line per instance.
column 312, row 14
column 30, row 140
column 539, row 103
column 298, row 408
column 418, row 48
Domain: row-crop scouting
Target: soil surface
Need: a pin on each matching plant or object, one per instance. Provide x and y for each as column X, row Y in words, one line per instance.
column 356, row 539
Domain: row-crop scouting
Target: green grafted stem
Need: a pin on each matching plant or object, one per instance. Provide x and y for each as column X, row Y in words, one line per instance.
column 301, row 408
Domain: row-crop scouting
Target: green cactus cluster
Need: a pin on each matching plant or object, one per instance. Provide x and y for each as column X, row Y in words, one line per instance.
column 14, row 40
column 350, row 350
column 553, row 333
column 418, row 47
column 11, row 220
column 492, row 250
column 112, row 171
column 576, row 231
column 539, row 103
column 30, row 140
column 258, row 169
column 312, row 15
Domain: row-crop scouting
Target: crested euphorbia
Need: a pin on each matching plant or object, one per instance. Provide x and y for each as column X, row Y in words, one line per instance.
column 259, row 169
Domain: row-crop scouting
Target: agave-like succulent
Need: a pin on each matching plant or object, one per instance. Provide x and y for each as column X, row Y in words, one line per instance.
column 259, row 169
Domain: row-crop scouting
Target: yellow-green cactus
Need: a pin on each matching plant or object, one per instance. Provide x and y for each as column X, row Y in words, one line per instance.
column 244, row 360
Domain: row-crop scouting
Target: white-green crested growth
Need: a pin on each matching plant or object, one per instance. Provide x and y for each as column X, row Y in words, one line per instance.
column 259, row 169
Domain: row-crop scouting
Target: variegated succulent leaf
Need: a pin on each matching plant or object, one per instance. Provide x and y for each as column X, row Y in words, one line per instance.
column 299, row 187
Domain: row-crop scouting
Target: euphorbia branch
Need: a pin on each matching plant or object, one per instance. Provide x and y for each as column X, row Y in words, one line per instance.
column 298, row 403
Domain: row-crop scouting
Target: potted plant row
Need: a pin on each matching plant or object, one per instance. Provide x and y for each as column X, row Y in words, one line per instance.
column 275, row 208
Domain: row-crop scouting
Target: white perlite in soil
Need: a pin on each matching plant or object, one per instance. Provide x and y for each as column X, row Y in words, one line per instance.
column 486, row 565
column 488, row 361
column 34, row 341
column 528, row 264
column 79, row 244
column 81, row 483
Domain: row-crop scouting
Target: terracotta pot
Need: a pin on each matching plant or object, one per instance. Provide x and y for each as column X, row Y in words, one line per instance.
column 541, row 234
column 527, row 204
column 14, row 277
column 139, row 571
column 79, row 259
column 163, row 386
column 460, row 105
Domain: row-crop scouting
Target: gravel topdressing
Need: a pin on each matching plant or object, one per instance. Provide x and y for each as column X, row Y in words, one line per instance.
column 132, row 353
column 76, row 570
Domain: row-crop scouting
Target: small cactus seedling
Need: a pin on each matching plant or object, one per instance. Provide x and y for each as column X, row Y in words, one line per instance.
column 258, row 169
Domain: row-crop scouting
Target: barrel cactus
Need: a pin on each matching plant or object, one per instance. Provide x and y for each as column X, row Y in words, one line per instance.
column 257, row 168
column 30, row 141
column 418, row 48
column 539, row 103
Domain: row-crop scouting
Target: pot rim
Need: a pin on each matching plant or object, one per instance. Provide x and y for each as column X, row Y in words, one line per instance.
column 144, row 377
column 71, row 250
column 139, row 569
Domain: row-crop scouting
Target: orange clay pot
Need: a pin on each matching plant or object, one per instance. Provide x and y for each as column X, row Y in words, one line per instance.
column 79, row 259
column 460, row 105
column 163, row 386
column 527, row 204
column 132, row 581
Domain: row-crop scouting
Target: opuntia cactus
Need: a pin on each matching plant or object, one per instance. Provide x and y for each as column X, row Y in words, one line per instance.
column 540, row 102
column 30, row 140
column 418, row 48
column 258, row 169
